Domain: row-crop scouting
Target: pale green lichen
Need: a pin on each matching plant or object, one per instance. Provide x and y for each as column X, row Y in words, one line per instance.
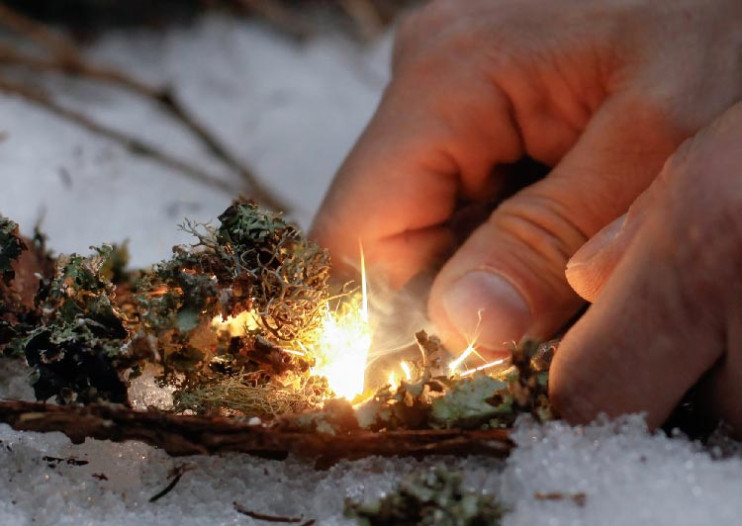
column 472, row 402
column 430, row 498
column 482, row 400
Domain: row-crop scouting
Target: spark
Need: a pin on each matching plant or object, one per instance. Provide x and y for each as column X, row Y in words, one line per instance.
column 364, row 285
column 470, row 349
column 464, row 355
column 406, row 369
column 489, row 365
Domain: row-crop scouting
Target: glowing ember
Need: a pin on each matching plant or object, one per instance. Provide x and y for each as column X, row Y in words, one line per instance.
column 236, row 325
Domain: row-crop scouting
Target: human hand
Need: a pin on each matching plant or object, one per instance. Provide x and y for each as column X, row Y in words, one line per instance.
column 667, row 292
column 603, row 91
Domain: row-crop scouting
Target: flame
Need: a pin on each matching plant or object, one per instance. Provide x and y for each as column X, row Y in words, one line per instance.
column 342, row 350
column 344, row 344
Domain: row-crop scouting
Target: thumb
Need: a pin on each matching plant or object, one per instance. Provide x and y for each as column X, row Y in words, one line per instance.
column 508, row 279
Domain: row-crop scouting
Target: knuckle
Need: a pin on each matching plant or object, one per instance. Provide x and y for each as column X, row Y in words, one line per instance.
column 699, row 202
column 542, row 224
column 421, row 25
column 706, row 162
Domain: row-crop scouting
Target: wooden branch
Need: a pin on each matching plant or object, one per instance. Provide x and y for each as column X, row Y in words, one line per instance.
column 195, row 435
column 37, row 32
column 67, row 59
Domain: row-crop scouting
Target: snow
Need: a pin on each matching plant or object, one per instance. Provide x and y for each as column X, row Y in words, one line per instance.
column 291, row 110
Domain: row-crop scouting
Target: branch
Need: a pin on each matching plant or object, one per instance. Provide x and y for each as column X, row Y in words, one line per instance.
column 274, row 13
column 196, row 435
column 36, row 32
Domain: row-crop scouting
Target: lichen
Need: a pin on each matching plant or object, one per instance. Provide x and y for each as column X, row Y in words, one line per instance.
column 472, row 402
column 253, row 263
column 79, row 351
column 441, row 401
column 11, row 247
column 434, row 497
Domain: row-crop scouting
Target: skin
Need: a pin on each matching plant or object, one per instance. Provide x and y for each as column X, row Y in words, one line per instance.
column 603, row 92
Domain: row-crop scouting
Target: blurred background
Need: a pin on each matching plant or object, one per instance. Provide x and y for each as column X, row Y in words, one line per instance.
column 122, row 117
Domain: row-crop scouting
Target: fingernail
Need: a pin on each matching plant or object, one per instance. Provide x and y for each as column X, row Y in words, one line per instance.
column 597, row 243
column 505, row 315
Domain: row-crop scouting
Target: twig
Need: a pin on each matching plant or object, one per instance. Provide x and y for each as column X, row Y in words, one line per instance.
column 132, row 144
column 279, row 16
column 165, row 98
column 36, row 32
column 176, row 474
column 578, row 498
column 71, row 461
column 263, row 517
column 188, row 435
column 68, row 60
